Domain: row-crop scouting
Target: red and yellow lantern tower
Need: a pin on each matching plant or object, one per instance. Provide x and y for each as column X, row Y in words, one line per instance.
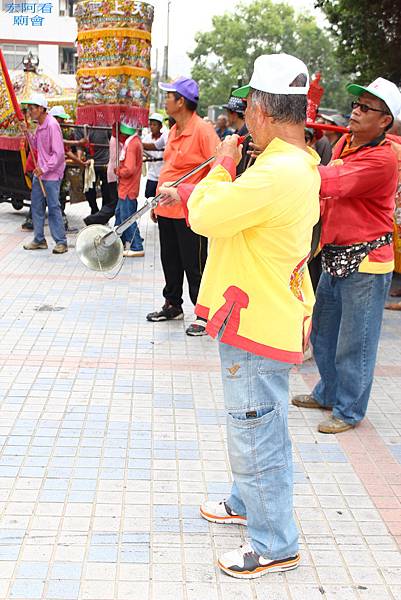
column 113, row 73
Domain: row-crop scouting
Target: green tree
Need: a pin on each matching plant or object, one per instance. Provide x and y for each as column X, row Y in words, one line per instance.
column 228, row 51
column 368, row 34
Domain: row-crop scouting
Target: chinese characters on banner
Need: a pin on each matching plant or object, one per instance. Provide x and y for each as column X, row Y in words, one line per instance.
column 22, row 11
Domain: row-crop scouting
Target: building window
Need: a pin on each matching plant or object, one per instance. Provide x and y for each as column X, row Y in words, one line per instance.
column 14, row 54
column 67, row 60
column 66, row 8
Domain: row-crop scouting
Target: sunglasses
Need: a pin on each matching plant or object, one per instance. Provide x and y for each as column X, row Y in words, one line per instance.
column 365, row 108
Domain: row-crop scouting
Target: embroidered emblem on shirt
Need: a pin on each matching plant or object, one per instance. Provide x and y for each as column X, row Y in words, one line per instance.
column 233, row 371
column 297, row 280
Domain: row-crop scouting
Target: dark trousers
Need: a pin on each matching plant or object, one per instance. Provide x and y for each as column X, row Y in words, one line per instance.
column 151, row 187
column 182, row 251
column 315, row 270
column 90, row 195
column 107, row 211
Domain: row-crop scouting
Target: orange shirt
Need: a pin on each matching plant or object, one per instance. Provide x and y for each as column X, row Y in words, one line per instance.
column 130, row 171
column 184, row 152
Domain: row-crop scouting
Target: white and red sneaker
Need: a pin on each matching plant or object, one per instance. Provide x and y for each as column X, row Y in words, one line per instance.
column 220, row 512
column 245, row 563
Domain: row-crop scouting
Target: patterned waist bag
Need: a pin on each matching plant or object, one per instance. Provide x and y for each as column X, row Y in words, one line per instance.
column 341, row 261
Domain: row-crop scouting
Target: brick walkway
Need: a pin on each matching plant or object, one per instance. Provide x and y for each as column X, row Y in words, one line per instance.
column 112, row 432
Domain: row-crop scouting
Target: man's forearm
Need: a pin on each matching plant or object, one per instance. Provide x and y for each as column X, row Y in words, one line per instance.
column 149, row 146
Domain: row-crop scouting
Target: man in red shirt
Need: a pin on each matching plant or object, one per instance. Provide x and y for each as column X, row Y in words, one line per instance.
column 358, row 196
column 191, row 142
column 129, row 174
column 394, row 136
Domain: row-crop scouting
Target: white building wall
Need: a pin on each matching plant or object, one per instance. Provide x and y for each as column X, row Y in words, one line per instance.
column 55, row 32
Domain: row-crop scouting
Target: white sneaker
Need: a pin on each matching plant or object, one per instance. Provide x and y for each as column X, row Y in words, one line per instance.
column 220, row 512
column 245, row 563
column 133, row 253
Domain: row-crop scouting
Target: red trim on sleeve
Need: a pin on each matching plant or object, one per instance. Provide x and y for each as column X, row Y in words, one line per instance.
column 228, row 164
column 184, row 191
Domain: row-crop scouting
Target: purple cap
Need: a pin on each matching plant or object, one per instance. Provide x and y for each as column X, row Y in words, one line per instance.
column 184, row 86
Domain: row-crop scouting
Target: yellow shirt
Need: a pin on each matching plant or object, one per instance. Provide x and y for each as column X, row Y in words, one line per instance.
column 260, row 229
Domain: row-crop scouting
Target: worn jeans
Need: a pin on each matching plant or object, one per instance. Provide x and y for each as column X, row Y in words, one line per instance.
column 126, row 208
column 346, row 328
column 38, row 207
column 259, row 447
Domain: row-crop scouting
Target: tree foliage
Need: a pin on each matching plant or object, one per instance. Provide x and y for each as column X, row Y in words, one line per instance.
column 368, row 34
column 228, row 51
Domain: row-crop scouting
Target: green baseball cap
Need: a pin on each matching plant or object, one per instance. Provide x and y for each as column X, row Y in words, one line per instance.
column 242, row 92
column 384, row 90
column 127, row 129
column 58, row 111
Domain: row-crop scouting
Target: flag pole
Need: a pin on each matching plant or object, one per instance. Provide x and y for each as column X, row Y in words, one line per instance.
column 18, row 112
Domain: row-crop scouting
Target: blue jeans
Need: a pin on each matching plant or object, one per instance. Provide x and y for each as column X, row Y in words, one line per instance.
column 126, row 208
column 259, row 447
column 345, row 335
column 38, row 207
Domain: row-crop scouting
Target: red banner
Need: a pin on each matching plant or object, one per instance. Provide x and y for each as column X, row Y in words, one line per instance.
column 9, row 107
column 8, row 142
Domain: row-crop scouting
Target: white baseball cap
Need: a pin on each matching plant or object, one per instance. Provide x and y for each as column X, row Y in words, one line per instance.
column 156, row 117
column 381, row 88
column 37, row 99
column 59, row 111
column 274, row 73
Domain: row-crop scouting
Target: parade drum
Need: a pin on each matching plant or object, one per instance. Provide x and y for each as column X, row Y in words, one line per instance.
column 113, row 71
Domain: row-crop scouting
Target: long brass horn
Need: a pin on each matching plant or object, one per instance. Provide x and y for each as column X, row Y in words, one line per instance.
column 99, row 246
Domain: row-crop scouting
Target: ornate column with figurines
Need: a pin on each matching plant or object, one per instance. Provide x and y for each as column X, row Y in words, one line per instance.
column 113, row 71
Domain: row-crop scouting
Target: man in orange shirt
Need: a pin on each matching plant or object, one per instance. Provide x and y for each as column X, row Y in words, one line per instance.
column 191, row 142
column 129, row 175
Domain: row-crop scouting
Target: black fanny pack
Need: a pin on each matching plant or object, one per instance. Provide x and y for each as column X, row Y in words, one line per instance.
column 341, row 261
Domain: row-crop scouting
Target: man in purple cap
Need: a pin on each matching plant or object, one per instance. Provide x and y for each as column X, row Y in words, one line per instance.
column 191, row 142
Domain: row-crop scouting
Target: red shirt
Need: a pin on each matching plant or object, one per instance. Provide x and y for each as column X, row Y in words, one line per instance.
column 130, row 171
column 184, row 152
column 358, row 199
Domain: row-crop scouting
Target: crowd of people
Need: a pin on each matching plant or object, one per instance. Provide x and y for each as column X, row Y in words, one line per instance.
column 241, row 230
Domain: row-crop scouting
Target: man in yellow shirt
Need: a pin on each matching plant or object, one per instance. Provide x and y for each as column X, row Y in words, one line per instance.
column 257, row 297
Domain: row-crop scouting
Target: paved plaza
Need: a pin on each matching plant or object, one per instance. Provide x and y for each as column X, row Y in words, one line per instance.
column 112, row 431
